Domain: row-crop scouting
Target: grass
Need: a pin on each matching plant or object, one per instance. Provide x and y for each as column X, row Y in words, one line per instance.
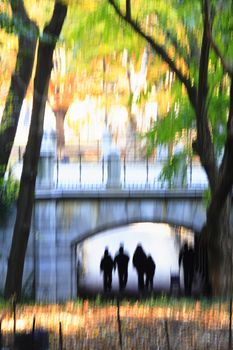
column 148, row 323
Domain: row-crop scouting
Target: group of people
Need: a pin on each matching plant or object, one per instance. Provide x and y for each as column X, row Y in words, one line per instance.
column 144, row 265
column 145, row 268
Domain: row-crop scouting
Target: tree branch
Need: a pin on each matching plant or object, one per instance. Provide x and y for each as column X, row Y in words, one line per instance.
column 203, row 66
column 170, row 35
column 226, row 168
column 205, row 145
column 226, row 67
column 191, row 90
column 128, row 9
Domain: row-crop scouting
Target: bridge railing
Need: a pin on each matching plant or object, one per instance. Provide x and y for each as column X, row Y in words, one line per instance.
column 134, row 175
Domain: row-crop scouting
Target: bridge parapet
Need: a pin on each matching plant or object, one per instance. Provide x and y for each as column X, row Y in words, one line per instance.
column 124, row 192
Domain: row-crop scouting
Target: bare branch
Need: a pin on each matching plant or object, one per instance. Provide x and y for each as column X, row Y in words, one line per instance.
column 203, row 64
column 171, row 37
column 204, row 143
column 226, row 67
column 191, row 90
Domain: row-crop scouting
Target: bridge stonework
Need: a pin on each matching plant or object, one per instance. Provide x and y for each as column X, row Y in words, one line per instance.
column 62, row 219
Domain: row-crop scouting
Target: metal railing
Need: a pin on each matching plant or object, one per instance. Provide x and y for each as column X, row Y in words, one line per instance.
column 134, row 175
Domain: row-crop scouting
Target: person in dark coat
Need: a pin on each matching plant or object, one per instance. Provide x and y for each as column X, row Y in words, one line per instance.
column 186, row 256
column 106, row 266
column 139, row 262
column 121, row 262
column 191, row 256
column 150, row 271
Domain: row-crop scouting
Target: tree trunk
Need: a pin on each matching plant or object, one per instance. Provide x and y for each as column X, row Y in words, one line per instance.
column 25, row 201
column 217, row 235
column 219, row 226
column 19, row 83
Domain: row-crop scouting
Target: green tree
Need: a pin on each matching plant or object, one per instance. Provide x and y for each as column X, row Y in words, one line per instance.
column 25, row 200
column 8, row 195
column 198, row 47
column 27, row 34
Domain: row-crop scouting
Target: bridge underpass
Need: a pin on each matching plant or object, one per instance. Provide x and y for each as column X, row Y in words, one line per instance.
column 161, row 241
column 63, row 219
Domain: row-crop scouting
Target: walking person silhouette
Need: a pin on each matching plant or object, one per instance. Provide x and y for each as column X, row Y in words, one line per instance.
column 106, row 266
column 150, row 271
column 139, row 262
column 186, row 256
column 121, row 262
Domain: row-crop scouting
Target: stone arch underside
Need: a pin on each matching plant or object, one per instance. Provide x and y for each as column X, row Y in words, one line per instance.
column 187, row 214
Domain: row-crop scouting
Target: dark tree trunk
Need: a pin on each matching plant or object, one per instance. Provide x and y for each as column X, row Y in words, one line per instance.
column 218, row 236
column 219, row 232
column 19, row 83
column 25, row 201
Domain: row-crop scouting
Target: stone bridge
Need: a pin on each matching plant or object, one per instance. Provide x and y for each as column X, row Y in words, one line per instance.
column 64, row 218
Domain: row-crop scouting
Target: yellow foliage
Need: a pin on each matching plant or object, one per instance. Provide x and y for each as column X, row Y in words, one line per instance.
column 8, row 53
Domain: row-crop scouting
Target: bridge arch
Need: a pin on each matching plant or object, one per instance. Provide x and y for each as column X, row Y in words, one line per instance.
column 157, row 239
column 102, row 229
column 63, row 219
column 117, row 224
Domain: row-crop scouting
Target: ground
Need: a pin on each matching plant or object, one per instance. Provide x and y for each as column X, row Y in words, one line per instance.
column 151, row 324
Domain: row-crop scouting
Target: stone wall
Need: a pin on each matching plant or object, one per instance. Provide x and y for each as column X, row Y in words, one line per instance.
column 62, row 219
